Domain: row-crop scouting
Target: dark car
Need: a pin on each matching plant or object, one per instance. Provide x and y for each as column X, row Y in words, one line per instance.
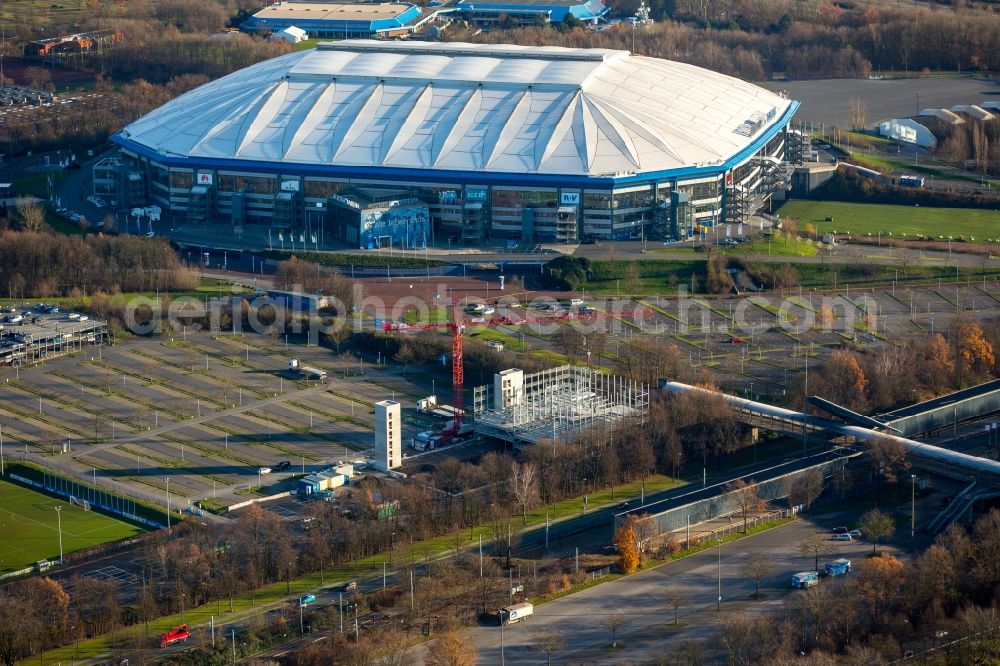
column 623, row 505
column 840, row 530
column 284, row 464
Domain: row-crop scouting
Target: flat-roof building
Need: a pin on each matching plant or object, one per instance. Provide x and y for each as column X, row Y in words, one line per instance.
column 30, row 336
column 335, row 19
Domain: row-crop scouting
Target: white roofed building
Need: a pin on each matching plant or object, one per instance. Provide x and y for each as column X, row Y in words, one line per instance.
column 533, row 143
column 908, row 131
column 291, row 34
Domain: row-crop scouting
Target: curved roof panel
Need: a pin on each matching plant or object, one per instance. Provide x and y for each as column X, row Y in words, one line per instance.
column 462, row 107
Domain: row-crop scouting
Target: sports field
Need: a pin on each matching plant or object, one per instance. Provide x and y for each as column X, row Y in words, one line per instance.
column 866, row 219
column 28, row 529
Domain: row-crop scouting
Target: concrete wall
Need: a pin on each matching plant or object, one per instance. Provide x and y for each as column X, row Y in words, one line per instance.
column 721, row 505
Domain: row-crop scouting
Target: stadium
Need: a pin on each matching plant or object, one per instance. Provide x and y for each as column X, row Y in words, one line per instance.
column 371, row 143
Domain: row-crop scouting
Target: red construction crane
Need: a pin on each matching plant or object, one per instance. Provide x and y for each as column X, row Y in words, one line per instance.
column 456, row 327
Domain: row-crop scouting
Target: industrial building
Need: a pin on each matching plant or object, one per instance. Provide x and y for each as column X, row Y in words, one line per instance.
column 530, row 12
column 554, row 404
column 32, row 336
column 335, row 19
column 325, row 480
column 508, row 142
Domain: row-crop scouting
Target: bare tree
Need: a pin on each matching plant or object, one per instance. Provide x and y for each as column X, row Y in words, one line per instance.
column 806, row 488
column 747, row 498
column 524, row 486
column 876, row 525
column 548, row 643
column 888, row 457
column 31, row 213
column 758, row 567
column 857, row 117
column 676, row 598
column 816, row 546
column 613, row 623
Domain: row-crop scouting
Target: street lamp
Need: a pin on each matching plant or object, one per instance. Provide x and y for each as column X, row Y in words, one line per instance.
column 167, row 480
column 59, row 523
column 913, row 505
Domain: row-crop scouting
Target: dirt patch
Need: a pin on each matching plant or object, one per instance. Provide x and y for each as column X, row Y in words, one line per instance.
column 14, row 68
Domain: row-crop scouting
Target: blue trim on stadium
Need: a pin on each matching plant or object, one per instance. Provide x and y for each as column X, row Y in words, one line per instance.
column 582, row 11
column 462, row 177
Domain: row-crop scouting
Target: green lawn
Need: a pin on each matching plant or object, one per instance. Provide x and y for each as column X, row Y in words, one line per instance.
column 862, row 219
column 29, row 527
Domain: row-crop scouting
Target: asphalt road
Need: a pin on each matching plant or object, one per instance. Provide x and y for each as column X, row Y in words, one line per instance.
column 829, row 100
column 645, row 634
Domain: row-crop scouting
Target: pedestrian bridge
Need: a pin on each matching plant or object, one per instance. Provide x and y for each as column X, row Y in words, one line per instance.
column 961, row 466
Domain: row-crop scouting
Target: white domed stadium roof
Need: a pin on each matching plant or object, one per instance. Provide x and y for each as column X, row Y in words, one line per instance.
column 464, row 107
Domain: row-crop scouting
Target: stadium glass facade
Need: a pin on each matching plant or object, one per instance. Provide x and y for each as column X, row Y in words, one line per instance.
column 472, row 208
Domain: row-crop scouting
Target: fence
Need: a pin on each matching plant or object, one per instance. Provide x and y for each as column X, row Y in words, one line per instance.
column 112, row 498
column 664, row 538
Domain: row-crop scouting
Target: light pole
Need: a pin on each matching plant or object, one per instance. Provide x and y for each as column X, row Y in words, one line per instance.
column 167, row 480
column 913, row 506
column 59, row 523
column 718, row 606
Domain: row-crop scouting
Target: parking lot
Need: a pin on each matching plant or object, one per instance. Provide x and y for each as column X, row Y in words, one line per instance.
column 206, row 412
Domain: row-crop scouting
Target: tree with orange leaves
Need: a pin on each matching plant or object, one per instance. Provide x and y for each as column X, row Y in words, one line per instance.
column 975, row 353
column 628, row 549
column 879, row 584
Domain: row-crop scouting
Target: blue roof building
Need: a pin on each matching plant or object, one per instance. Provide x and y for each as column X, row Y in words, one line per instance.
column 554, row 10
column 336, row 20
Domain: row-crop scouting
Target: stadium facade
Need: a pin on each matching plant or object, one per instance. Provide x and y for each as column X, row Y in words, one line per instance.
column 475, row 142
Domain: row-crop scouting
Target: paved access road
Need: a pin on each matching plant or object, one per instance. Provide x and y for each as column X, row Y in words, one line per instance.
column 580, row 617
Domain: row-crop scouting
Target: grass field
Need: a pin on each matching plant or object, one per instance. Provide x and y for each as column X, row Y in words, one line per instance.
column 863, row 219
column 29, row 527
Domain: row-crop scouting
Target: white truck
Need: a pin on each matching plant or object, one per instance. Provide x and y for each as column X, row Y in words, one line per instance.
column 306, row 371
column 515, row 613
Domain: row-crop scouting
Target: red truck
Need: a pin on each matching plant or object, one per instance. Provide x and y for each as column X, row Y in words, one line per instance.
column 175, row 635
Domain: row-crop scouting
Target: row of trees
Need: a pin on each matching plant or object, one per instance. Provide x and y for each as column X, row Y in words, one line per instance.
column 894, row 375
column 39, row 265
column 90, row 119
column 802, row 42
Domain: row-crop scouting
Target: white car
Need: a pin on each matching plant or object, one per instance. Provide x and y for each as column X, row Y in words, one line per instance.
column 264, row 470
column 842, row 537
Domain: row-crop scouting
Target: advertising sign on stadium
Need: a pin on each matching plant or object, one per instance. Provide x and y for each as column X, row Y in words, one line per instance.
column 570, row 199
column 289, row 186
column 204, row 179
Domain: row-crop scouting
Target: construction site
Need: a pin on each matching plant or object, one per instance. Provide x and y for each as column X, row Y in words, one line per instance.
column 557, row 403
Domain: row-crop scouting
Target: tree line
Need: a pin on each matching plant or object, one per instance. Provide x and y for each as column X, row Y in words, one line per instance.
column 759, row 38
column 40, row 265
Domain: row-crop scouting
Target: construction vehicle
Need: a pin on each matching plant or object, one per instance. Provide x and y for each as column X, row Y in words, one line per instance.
column 175, row 635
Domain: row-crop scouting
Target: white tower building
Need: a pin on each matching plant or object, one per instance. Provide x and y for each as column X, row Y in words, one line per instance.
column 388, row 435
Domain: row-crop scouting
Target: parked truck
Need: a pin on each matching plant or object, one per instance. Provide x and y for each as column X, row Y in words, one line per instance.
column 838, row 567
column 515, row 613
column 175, row 635
column 305, row 371
column 805, row 579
